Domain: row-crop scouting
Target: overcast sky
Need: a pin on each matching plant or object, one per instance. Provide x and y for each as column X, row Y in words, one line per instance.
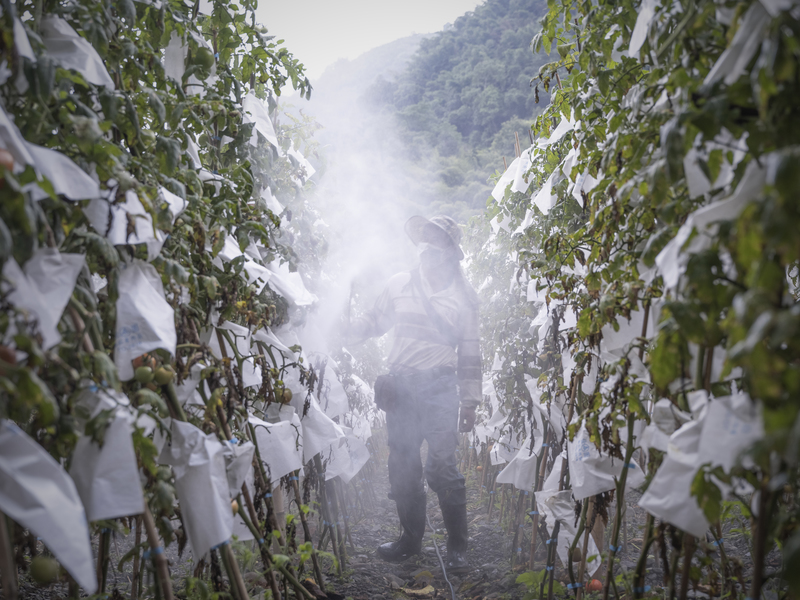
column 319, row 32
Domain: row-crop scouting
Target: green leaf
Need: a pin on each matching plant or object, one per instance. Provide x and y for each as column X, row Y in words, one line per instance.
column 6, row 241
column 168, row 151
column 126, row 10
column 158, row 107
column 35, row 392
column 105, row 371
column 708, row 495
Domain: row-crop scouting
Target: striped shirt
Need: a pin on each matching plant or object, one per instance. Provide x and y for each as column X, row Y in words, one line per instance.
column 417, row 344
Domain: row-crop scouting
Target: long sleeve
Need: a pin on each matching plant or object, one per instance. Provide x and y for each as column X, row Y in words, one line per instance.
column 377, row 321
column 469, row 359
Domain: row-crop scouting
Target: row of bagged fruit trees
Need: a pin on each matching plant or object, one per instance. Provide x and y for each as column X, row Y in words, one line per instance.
column 149, row 290
column 638, row 268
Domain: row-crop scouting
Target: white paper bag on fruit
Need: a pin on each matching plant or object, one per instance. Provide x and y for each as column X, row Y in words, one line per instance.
column 37, row 493
column 521, row 470
column 107, row 476
column 240, row 336
column 319, row 431
column 346, row 461
column 201, row 481
column 145, row 321
column 125, row 222
column 238, row 464
column 592, row 472
column 43, row 288
column 71, row 51
column 280, row 444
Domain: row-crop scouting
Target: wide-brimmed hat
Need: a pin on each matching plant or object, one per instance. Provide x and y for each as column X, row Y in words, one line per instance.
column 441, row 231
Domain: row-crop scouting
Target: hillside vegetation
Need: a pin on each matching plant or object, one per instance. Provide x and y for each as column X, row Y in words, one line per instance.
column 445, row 115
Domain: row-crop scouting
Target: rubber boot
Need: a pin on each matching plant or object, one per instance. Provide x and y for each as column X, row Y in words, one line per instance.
column 412, row 518
column 455, row 521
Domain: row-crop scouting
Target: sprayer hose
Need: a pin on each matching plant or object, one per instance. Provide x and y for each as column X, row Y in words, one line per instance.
column 438, row 554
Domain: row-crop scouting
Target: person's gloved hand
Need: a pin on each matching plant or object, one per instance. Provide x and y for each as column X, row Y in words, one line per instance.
column 466, row 419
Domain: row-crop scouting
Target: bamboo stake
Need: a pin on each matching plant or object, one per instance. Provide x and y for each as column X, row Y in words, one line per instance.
column 541, row 465
column 689, row 546
column 515, row 549
column 590, row 516
column 103, row 546
column 8, row 569
column 613, row 546
column 162, row 569
column 576, row 382
column 265, row 558
column 485, row 470
column 238, row 588
column 135, row 577
column 672, row 572
column 492, row 494
column 342, row 495
column 337, row 521
column 326, row 514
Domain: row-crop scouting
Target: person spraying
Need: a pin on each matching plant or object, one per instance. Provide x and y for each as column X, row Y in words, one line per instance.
column 433, row 384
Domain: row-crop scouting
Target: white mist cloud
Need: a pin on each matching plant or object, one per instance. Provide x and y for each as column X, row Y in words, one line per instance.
column 319, row 32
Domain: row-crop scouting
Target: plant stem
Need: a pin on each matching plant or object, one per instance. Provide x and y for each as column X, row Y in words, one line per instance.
column 581, row 527
column 282, row 568
column 307, row 533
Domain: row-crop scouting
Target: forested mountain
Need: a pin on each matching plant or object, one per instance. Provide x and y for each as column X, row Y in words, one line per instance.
column 441, row 109
column 466, row 82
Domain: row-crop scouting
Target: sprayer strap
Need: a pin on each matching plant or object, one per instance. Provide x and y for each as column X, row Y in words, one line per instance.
column 448, row 331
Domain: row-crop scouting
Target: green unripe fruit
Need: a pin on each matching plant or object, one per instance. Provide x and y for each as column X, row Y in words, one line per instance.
column 44, row 570
column 164, row 375
column 787, row 177
column 204, row 58
column 143, row 375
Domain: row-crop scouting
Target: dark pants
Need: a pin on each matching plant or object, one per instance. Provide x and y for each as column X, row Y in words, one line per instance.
column 426, row 409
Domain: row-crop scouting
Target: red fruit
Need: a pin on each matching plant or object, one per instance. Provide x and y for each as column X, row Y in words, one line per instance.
column 145, row 360
column 6, row 159
column 595, row 585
